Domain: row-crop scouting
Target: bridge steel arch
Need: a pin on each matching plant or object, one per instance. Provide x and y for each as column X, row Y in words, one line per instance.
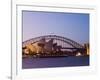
column 73, row 43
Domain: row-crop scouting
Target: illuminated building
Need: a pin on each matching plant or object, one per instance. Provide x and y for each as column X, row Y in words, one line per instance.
column 39, row 47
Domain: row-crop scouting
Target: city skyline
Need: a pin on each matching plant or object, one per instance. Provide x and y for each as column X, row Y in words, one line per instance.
column 71, row 25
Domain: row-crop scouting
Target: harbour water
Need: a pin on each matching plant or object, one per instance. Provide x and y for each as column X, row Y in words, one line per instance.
column 69, row 61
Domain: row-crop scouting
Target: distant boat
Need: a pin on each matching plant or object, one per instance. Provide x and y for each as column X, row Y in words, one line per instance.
column 78, row 54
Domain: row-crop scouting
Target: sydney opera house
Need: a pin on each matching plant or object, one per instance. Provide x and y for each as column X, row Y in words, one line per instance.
column 42, row 46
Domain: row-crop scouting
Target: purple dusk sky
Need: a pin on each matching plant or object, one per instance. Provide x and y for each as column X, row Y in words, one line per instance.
column 74, row 26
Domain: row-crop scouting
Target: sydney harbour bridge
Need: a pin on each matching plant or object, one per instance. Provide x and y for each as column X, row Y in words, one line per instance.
column 51, row 46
